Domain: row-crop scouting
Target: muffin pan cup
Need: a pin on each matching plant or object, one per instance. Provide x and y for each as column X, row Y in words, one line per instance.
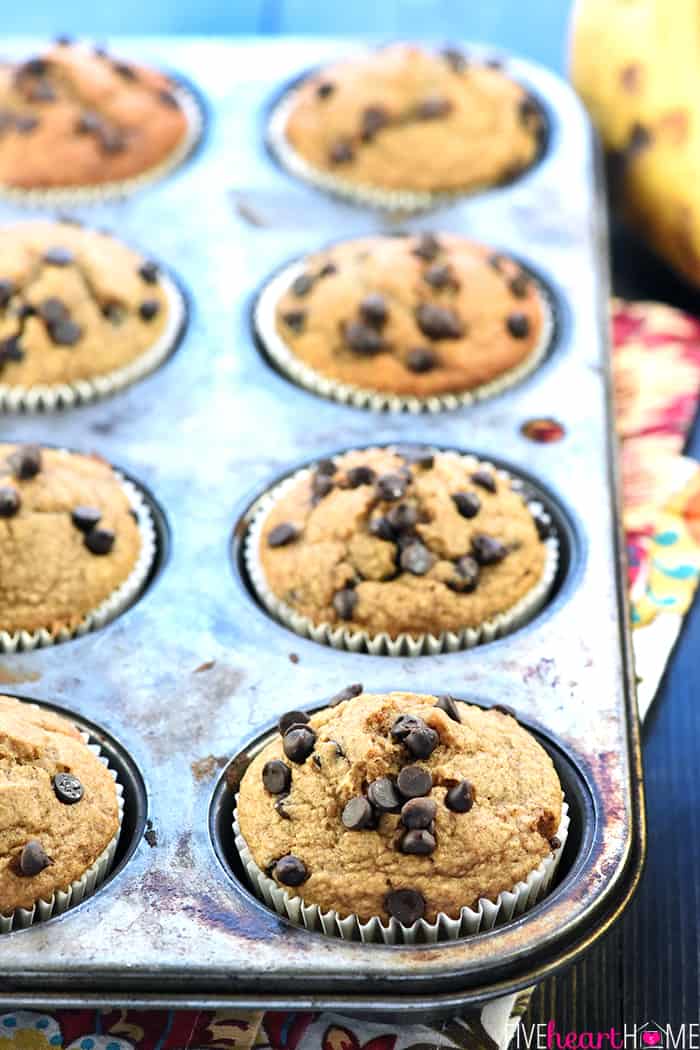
column 189, row 678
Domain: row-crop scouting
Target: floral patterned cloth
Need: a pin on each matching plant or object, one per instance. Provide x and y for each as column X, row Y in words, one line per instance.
column 657, row 380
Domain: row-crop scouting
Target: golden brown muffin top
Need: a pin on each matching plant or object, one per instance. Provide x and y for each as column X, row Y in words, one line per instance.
column 43, row 811
column 414, row 542
column 74, row 304
column 76, row 116
column 325, row 809
column 68, row 537
column 413, row 316
column 405, row 118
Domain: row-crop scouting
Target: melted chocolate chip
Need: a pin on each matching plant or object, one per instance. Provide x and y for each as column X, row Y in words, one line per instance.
column 68, row 788
column 7, row 290
column 148, row 272
column 341, row 153
column 439, row 322
column 404, row 725
column 382, row 529
column 555, row 843
column 460, row 798
column 402, row 517
column 466, row 576
column 326, row 466
column 518, row 325
column 328, row 269
column 125, row 71
column 325, row 89
column 282, row 534
column 298, row 743
column 406, row 906
column 10, row 501
column 433, row 107
column 418, row 813
column 528, row 109
column 88, row 123
column 348, row 693
column 383, row 795
column 58, row 256
column 85, row 518
column 421, row 742
column 33, row 859
column 373, row 310
column 168, row 99
column 421, row 359
column 363, row 338
column 111, row 139
column 295, row 319
column 291, row 718
column 302, row 285
column 25, row 462
column 485, row 480
column 33, row 67
column 519, row 286
column 488, row 550
column 414, row 782
column 419, row 842
column 321, row 485
column 448, row 704
column 467, row 503
column 65, row 332
column 417, row 456
column 391, row 486
column 52, row 310
column 361, row 475
column 290, row 871
column 344, row 603
column 416, row 559
column 357, row 814
column 428, row 247
column 374, row 118
column 99, row 541
column 149, row 309
column 279, row 807
column 456, row 60
column 276, row 777
column 439, row 276
column 11, row 349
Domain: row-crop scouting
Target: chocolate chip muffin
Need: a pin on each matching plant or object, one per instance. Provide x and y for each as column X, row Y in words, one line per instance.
column 417, row 317
column 68, row 538
column 79, row 310
column 75, row 116
column 402, row 120
column 394, row 543
column 59, row 806
column 400, row 806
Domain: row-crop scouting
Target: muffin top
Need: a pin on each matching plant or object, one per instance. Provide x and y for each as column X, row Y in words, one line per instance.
column 74, row 304
column 405, row 118
column 68, row 537
column 58, row 805
column 410, row 541
column 401, row 792
column 414, row 316
column 76, row 116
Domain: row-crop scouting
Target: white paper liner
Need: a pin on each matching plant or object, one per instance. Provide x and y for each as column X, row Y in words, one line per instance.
column 485, row 916
column 354, row 640
column 377, row 400
column 80, row 889
column 404, row 201
column 51, row 398
column 109, row 191
column 115, row 603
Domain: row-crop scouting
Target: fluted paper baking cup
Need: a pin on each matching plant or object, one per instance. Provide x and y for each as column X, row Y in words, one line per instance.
column 485, row 916
column 353, row 640
column 66, row 196
column 265, row 323
column 115, row 603
column 56, row 396
column 80, row 889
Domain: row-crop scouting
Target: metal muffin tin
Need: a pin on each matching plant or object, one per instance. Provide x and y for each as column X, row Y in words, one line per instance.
column 195, row 671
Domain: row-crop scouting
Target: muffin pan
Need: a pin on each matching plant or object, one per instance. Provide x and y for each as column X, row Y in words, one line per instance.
column 195, row 672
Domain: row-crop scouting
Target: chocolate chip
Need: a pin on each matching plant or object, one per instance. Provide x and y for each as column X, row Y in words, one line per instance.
column 344, row 603
column 148, row 272
column 321, row 485
column 26, row 124
column 65, row 332
column 341, row 152
column 467, row 503
column 363, row 339
column 291, row 718
column 518, row 325
column 433, row 107
column 406, row 906
column 485, row 480
column 417, row 456
column 543, row 524
column 460, row 798
column 168, row 99
column 282, row 534
column 7, row 290
column 325, row 89
column 519, row 285
column 316, row 759
column 439, row 322
column 328, row 269
column 295, row 319
column 373, row 310
column 405, row 724
column 428, row 247
column 528, row 109
column 111, row 139
column 555, row 842
column 58, row 256
column 99, row 541
column 27, row 310
column 361, row 475
column 421, row 359
column 52, row 310
column 279, row 807
column 456, row 60
column 383, row 795
column 357, row 814
column 11, row 349
column 33, row 67
column 68, row 788
column 33, row 858
column 466, row 578
column 326, row 466
column 448, row 704
column 149, row 309
column 418, row 813
column 348, row 693
column 374, row 118
column 124, row 70
column 416, row 559
column 290, row 871
column 402, row 517
column 382, row 529
column 302, row 285
column 488, row 550
column 439, row 276
column 419, row 842
column 414, row 782
column 504, row 709
column 10, row 501
column 25, row 462
column 85, row 518
column 391, row 486
column 298, row 743
column 276, row 777
column 422, row 742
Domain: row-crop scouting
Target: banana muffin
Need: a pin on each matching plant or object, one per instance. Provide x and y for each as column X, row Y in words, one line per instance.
column 77, row 305
column 58, row 805
column 404, row 118
column 400, row 541
column 68, row 537
column 415, row 316
column 400, row 805
column 76, row 116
